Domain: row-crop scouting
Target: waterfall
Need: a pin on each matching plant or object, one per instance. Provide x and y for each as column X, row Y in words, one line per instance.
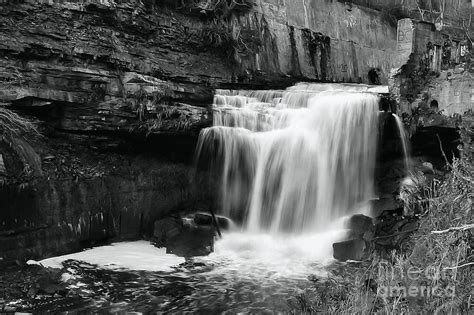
column 404, row 140
column 292, row 160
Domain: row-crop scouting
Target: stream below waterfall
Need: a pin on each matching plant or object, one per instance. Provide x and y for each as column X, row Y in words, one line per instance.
column 247, row 273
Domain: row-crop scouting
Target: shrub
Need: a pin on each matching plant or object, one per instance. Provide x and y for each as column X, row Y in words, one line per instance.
column 13, row 125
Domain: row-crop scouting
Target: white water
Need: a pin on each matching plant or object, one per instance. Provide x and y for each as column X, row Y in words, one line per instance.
column 247, row 274
column 140, row 255
column 251, row 255
column 294, row 160
column 404, row 141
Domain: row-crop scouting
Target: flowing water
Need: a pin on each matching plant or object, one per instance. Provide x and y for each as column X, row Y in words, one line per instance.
column 294, row 160
column 404, row 141
column 247, row 273
column 290, row 166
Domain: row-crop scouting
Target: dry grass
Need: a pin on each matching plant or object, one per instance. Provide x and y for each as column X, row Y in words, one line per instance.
column 12, row 124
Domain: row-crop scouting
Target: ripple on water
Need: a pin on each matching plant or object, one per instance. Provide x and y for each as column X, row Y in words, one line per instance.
column 247, row 273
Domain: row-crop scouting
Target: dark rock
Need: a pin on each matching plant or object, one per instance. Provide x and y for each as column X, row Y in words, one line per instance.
column 360, row 226
column 410, row 226
column 392, row 231
column 385, row 241
column 404, row 233
column 201, row 218
column 349, row 250
column 166, row 229
column 184, row 237
column 385, row 204
column 191, row 241
column 428, row 140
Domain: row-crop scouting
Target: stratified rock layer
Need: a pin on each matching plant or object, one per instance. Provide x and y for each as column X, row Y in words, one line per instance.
column 111, row 74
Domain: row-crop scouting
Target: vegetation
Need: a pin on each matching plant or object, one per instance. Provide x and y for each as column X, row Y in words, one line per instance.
column 433, row 273
column 13, row 125
column 207, row 8
column 14, row 130
column 219, row 33
column 220, row 36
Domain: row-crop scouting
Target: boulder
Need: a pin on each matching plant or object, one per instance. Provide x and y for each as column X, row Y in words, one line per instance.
column 166, row 229
column 183, row 237
column 360, row 226
column 191, row 242
column 385, row 204
column 427, row 168
column 354, row 249
column 202, row 218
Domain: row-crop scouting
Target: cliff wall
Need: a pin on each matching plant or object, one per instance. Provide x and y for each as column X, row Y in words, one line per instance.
column 119, row 65
column 111, row 81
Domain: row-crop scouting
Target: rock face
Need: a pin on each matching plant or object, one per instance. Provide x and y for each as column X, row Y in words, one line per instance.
column 112, row 65
column 125, row 79
column 434, row 64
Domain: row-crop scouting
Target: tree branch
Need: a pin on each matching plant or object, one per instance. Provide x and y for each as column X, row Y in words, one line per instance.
column 452, row 229
column 460, row 266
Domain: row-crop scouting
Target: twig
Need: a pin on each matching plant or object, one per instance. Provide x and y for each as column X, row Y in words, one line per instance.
column 442, row 151
column 216, row 225
column 457, row 228
column 395, row 234
column 461, row 266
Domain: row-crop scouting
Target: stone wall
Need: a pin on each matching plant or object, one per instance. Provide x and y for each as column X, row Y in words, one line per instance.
column 357, row 39
column 435, row 65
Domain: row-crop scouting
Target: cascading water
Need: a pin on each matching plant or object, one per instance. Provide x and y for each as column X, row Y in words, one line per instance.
column 293, row 160
column 403, row 139
column 287, row 161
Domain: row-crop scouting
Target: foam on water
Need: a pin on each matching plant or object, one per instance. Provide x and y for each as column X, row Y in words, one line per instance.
column 251, row 256
column 139, row 255
column 262, row 255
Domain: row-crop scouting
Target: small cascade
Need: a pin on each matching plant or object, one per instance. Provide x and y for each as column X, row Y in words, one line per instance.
column 292, row 160
column 404, row 140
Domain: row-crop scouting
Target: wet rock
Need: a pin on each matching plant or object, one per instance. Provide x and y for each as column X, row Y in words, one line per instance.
column 166, row 229
column 191, row 242
column 184, row 237
column 427, row 168
column 201, row 218
column 354, row 249
column 385, row 204
column 426, row 142
column 361, row 226
column 393, row 231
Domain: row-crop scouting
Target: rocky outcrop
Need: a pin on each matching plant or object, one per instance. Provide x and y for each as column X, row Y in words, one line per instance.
column 86, row 68
column 112, row 65
column 434, row 64
column 191, row 235
column 112, row 81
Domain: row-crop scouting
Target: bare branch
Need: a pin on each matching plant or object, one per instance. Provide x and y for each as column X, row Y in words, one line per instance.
column 457, row 228
column 460, row 266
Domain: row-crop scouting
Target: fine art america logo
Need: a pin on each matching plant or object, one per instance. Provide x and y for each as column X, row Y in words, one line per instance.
column 415, row 282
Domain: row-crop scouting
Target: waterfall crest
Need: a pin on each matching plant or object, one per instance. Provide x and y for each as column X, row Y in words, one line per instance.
column 293, row 160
